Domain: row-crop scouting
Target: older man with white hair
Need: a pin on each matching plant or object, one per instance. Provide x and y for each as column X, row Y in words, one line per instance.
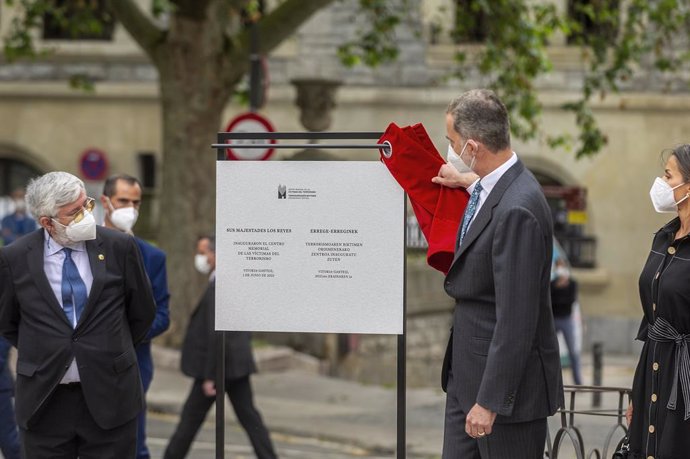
column 74, row 299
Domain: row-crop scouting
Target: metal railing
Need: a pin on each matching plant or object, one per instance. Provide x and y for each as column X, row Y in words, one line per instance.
column 569, row 432
column 414, row 235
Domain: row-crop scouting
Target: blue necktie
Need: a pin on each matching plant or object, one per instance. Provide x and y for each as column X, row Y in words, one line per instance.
column 73, row 289
column 470, row 210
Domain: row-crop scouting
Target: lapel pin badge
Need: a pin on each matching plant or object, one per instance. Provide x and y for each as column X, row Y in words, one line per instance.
column 101, row 256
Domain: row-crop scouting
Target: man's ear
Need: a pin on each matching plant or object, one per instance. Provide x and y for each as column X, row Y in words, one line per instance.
column 474, row 145
column 104, row 202
column 46, row 223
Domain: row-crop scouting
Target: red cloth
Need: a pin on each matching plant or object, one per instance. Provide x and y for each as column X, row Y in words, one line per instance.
column 414, row 162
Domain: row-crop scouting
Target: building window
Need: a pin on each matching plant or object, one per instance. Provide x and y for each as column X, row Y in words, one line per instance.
column 78, row 20
column 593, row 19
column 471, row 22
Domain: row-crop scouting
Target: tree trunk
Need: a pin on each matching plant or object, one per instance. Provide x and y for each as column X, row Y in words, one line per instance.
column 193, row 94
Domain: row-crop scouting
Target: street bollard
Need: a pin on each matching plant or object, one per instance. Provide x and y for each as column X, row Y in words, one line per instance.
column 597, row 362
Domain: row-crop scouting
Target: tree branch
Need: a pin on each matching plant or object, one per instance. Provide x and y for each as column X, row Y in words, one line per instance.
column 278, row 25
column 142, row 28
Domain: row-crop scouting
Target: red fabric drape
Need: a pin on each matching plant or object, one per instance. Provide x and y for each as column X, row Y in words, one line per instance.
column 414, row 162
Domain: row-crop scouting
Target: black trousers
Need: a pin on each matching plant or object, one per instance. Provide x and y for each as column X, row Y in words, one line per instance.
column 66, row 430
column 196, row 408
column 522, row 440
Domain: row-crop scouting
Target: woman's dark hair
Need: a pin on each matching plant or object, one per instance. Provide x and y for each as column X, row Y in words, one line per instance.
column 682, row 154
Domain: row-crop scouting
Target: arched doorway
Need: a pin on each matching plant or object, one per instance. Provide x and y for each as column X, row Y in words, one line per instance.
column 14, row 174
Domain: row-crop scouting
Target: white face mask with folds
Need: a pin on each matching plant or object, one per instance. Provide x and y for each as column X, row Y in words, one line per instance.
column 457, row 161
column 201, row 263
column 662, row 197
column 84, row 230
column 123, row 218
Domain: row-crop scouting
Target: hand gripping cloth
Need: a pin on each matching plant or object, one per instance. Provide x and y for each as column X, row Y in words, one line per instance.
column 413, row 162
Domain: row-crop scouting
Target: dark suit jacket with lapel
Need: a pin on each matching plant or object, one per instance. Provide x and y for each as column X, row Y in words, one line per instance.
column 118, row 313
column 199, row 348
column 503, row 349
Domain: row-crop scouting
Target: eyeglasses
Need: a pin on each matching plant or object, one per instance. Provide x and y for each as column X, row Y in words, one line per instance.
column 79, row 216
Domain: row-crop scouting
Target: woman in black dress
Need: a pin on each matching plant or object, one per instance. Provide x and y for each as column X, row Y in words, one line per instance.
column 659, row 413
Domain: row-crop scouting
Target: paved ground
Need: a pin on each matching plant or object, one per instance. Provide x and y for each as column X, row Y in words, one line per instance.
column 338, row 418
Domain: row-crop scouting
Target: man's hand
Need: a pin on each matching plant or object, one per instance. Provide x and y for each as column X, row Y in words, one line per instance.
column 449, row 176
column 209, row 387
column 479, row 421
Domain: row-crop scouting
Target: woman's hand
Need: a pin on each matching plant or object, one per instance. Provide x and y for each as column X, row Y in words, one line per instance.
column 629, row 413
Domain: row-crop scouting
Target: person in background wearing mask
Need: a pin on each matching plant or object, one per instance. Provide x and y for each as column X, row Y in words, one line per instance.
column 121, row 200
column 18, row 223
column 9, row 441
column 659, row 412
column 74, row 301
column 502, row 370
column 199, row 362
column 563, row 298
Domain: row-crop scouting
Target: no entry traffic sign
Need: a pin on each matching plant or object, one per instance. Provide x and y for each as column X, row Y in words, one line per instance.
column 93, row 164
column 249, row 122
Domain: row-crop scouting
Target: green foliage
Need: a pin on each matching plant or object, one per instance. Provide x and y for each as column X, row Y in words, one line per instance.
column 506, row 43
column 376, row 42
column 161, row 7
column 82, row 19
column 18, row 42
column 81, row 82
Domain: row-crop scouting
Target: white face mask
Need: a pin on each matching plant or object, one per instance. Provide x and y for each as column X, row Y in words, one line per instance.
column 562, row 271
column 456, row 161
column 123, row 218
column 19, row 205
column 474, row 159
column 85, row 230
column 662, row 197
column 201, row 263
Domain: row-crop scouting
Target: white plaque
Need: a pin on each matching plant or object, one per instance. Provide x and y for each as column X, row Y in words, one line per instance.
column 309, row 246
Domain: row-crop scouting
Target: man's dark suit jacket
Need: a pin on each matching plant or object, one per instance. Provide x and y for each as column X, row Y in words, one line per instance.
column 6, row 382
column 503, row 349
column 154, row 266
column 118, row 314
column 199, row 348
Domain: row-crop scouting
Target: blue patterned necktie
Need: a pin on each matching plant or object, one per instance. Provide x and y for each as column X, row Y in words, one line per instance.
column 73, row 289
column 470, row 210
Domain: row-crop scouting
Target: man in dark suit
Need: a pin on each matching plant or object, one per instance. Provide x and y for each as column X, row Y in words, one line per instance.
column 121, row 201
column 502, row 369
column 199, row 362
column 74, row 299
column 9, row 440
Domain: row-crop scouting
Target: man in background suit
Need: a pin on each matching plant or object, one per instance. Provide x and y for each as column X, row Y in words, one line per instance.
column 199, row 362
column 9, row 440
column 74, row 299
column 502, row 369
column 121, row 201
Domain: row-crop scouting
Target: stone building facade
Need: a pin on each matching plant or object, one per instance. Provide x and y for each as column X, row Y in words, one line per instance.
column 45, row 125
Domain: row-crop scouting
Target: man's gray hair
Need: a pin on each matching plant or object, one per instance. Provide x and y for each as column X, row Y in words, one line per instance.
column 47, row 193
column 480, row 115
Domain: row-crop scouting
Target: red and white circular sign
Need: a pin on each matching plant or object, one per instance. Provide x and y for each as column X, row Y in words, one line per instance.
column 249, row 122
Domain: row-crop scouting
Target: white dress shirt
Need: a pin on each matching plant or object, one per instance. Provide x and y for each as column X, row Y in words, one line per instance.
column 489, row 181
column 53, row 259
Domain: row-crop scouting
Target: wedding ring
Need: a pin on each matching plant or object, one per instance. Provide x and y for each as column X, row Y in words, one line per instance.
column 481, row 434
